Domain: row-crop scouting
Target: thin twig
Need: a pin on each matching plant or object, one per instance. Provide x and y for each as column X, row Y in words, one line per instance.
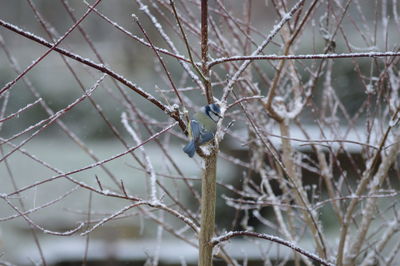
column 172, row 3
column 303, row 57
column 160, row 60
column 227, row 236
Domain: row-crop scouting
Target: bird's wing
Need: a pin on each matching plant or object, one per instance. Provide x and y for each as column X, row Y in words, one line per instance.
column 205, row 136
column 195, row 129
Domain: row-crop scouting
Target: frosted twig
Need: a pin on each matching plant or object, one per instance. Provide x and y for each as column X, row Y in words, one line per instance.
column 167, row 227
column 49, row 110
column 294, row 182
column 369, row 208
column 317, row 141
column 17, row 113
column 365, row 180
column 175, row 213
column 272, row 34
column 244, row 99
column 148, row 164
column 165, row 36
column 150, row 204
column 242, row 204
column 351, row 197
column 61, row 174
column 31, row 222
column 100, row 67
column 111, row 217
column 217, row 240
column 171, row 2
column 69, row 192
column 47, row 122
column 303, row 57
column 160, row 60
column 160, row 229
column 139, row 40
column 89, row 221
column 392, row 229
column 35, row 62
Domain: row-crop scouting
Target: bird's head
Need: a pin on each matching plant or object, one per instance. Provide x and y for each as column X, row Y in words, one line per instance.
column 213, row 111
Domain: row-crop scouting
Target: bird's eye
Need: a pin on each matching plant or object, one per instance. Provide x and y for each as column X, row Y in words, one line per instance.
column 216, row 114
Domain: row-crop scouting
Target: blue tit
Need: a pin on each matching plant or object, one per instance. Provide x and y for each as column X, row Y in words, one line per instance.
column 202, row 128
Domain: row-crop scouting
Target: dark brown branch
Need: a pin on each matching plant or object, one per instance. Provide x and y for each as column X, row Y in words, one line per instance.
column 204, row 50
column 187, row 43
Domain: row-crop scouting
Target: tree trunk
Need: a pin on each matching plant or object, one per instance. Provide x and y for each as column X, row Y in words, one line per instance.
column 208, row 198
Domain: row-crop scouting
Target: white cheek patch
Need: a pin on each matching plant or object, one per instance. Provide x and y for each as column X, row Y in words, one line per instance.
column 214, row 116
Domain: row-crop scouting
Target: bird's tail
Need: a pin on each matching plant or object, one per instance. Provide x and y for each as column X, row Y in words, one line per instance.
column 190, row 148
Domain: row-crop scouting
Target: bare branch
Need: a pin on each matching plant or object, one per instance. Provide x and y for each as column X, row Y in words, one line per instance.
column 217, row 240
column 303, row 57
column 99, row 67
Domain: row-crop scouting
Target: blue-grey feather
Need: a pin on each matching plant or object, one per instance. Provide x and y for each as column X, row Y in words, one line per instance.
column 205, row 137
column 190, row 148
column 195, row 128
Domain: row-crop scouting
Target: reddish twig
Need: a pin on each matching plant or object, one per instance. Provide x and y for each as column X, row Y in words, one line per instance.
column 302, row 56
column 17, row 113
column 217, row 240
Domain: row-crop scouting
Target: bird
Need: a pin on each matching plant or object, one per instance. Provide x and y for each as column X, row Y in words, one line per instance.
column 202, row 127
